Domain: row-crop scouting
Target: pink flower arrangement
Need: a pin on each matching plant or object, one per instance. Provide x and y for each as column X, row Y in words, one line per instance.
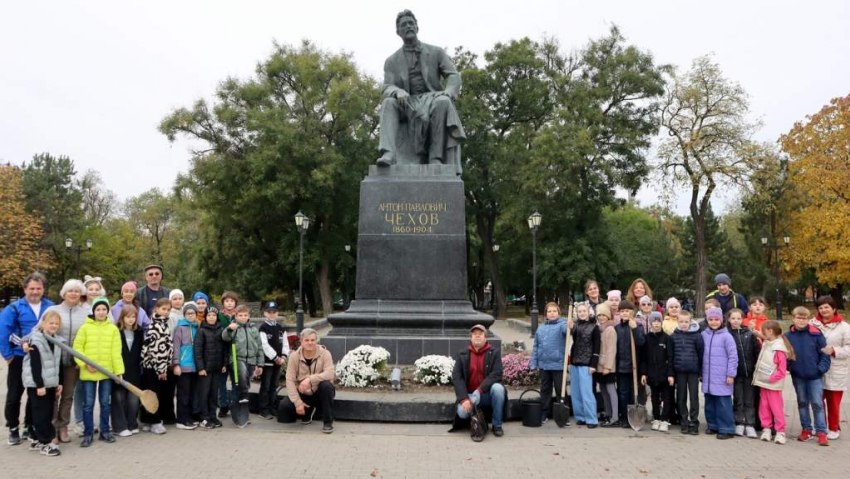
column 516, row 372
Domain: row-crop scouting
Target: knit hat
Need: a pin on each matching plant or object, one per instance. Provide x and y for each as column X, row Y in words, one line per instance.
column 100, row 300
column 188, row 306
column 714, row 313
column 615, row 293
column 92, row 279
column 645, row 299
column 722, row 278
column 175, row 292
column 655, row 316
column 201, row 295
column 129, row 285
column 626, row 304
column 210, row 309
column 603, row 309
column 673, row 301
column 72, row 284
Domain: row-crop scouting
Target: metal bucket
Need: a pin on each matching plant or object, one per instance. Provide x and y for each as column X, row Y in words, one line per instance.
column 531, row 409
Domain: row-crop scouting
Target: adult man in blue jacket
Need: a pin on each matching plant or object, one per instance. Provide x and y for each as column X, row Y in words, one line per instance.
column 16, row 321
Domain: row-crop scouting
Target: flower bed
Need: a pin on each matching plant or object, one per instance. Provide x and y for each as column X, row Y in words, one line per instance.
column 362, row 367
column 516, row 372
column 434, row 369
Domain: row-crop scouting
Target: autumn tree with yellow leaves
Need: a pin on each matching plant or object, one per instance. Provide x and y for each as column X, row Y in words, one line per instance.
column 21, row 251
column 819, row 153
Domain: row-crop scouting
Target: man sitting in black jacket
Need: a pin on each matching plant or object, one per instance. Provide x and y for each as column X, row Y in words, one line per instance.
column 477, row 377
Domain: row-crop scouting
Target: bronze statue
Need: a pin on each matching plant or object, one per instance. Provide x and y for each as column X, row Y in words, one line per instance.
column 419, row 121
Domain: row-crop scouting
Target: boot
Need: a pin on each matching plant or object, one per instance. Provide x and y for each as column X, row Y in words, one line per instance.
column 63, row 434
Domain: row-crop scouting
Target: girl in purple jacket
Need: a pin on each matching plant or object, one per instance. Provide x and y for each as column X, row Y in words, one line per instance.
column 719, row 368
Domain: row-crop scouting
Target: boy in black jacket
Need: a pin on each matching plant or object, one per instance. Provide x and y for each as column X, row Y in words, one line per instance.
column 275, row 350
column 744, row 393
column 684, row 367
column 654, row 374
column 627, row 330
column 210, row 360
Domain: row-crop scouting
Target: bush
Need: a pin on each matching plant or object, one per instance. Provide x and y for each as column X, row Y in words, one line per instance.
column 434, row 369
column 516, row 372
column 362, row 366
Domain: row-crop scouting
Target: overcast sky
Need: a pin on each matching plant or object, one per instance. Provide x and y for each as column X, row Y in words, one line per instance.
column 93, row 79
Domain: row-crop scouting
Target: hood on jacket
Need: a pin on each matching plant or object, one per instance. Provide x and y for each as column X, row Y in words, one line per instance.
column 206, row 325
column 836, row 318
column 811, row 329
column 184, row 322
column 483, row 349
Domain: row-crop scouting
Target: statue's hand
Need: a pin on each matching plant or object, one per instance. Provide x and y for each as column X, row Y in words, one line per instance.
column 402, row 97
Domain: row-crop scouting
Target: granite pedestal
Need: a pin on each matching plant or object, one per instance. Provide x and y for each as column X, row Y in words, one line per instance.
column 411, row 267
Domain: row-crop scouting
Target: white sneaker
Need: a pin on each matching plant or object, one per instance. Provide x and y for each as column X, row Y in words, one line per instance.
column 158, row 428
column 186, row 427
column 125, row 433
column 739, row 430
column 765, row 435
column 656, row 424
column 136, row 431
column 750, row 431
column 833, row 435
column 146, row 427
column 79, row 429
column 780, row 438
column 664, row 427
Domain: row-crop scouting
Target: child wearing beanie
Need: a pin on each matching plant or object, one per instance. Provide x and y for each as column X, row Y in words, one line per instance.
column 614, row 298
column 128, row 297
column 177, row 299
column 719, row 369
column 627, row 331
column 184, row 365
column 671, row 316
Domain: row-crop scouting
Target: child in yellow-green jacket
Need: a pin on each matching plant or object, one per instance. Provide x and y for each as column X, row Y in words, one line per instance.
column 100, row 341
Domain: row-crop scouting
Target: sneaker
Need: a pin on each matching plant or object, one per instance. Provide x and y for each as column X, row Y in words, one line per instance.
column 664, row 426
column 750, row 431
column 136, row 431
column 206, row 424
column 710, row 432
column 592, row 426
column 625, row 424
column 125, row 433
column 217, row 423
column 107, row 437
column 685, row 429
column 724, row 436
column 224, row 412
column 79, row 429
column 765, row 435
column 498, row 431
column 833, row 435
column 28, row 433
column 158, row 428
column 693, row 429
column 581, row 423
column 308, row 417
column 612, row 424
column 50, row 450
column 266, row 415
column 822, row 440
column 805, row 436
column 14, row 437
column 146, row 428
column 655, row 425
column 780, row 437
column 739, row 430
column 544, row 421
column 35, row 445
column 188, row 426
column 328, row 428
column 86, row 442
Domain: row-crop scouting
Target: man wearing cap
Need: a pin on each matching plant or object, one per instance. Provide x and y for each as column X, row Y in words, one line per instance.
column 728, row 299
column 477, row 378
column 153, row 291
column 275, row 350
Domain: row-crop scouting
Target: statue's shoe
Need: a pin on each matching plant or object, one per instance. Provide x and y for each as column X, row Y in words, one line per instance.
column 384, row 161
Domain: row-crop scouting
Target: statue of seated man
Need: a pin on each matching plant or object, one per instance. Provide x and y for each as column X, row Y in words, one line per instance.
column 413, row 100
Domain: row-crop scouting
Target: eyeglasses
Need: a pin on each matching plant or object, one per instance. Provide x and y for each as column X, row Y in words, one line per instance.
column 154, row 273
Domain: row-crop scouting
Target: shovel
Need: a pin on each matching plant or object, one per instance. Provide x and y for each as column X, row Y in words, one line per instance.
column 239, row 409
column 561, row 411
column 636, row 412
column 148, row 397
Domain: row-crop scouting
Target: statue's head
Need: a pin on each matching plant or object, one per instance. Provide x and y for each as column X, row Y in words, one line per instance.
column 406, row 26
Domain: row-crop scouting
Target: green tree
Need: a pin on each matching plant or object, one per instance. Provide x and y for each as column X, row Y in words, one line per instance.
column 296, row 137
column 151, row 213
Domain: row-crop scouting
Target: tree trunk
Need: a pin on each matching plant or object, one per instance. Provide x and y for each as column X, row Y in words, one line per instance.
column 837, row 296
column 698, row 215
column 324, row 283
column 311, row 299
column 485, row 231
column 564, row 298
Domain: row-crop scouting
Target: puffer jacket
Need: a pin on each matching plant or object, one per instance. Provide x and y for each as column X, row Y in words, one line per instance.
column 210, row 353
column 549, row 343
column 684, row 351
column 837, row 334
column 586, row 343
column 100, row 341
column 810, row 362
column 624, row 347
column 747, row 344
column 51, row 361
column 73, row 318
column 653, row 359
column 297, row 370
column 183, row 341
column 719, row 361
column 158, row 348
column 248, row 345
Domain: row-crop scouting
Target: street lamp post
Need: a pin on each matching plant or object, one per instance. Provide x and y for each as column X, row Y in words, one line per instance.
column 534, row 223
column 69, row 246
column 346, row 301
column 302, row 222
column 774, row 248
column 493, row 303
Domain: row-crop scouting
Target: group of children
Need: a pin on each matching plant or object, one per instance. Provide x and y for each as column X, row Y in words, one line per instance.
column 740, row 360
column 191, row 344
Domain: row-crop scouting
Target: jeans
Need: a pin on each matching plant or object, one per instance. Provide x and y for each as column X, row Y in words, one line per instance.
column 225, row 399
column 718, row 414
column 15, row 393
column 125, row 409
column 810, row 393
column 583, row 399
column 103, row 389
column 322, row 400
column 549, row 379
column 495, row 399
column 268, row 389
